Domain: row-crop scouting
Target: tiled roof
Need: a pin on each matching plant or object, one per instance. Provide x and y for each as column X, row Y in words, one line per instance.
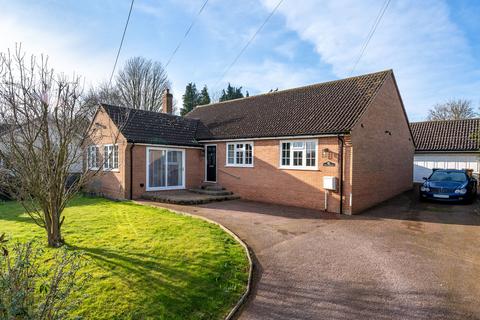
column 141, row 126
column 446, row 135
column 326, row 108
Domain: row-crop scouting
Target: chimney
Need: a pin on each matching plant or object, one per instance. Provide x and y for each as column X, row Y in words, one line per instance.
column 167, row 102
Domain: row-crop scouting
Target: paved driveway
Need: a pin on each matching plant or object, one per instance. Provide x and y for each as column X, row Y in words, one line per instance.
column 401, row 260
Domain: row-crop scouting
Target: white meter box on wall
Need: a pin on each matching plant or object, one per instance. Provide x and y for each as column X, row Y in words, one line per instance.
column 330, row 183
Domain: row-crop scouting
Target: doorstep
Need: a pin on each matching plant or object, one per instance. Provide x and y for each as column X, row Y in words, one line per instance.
column 186, row 197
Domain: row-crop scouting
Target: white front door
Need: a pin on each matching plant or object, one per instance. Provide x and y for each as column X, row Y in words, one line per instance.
column 165, row 169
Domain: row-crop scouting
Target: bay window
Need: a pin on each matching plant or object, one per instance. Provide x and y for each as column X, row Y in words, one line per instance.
column 298, row 154
column 240, row 154
column 110, row 153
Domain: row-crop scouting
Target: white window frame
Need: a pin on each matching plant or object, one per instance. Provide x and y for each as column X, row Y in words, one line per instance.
column 304, row 155
column 243, row 150
column 89, row 154
column 147, row 184
column 107, row 160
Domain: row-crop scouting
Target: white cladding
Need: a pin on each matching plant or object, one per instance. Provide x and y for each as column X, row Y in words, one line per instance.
column 423, row 163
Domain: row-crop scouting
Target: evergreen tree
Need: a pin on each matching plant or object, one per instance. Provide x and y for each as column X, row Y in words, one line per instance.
column 204, row 97
column 190, row 98
column 231, row 93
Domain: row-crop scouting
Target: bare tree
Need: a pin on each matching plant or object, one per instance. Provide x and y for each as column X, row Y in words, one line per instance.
column 103, row 93
column 454, row 109
column 47, row 120
column 140, row 84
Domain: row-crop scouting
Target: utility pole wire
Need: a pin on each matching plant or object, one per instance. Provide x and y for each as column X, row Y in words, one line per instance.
column 249, row 41
column 186, row 33
column 371, row 33
column 121, row 43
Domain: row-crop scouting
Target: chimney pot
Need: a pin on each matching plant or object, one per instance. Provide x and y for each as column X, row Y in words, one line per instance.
column 167, row 102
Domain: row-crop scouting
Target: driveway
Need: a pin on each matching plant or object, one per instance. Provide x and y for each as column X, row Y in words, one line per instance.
column 400, row 260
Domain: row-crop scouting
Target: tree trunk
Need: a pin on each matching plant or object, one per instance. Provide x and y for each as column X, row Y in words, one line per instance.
column 53, row 231
column 55, row 239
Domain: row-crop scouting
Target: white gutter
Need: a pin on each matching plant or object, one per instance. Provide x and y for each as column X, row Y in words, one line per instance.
column 167, row 146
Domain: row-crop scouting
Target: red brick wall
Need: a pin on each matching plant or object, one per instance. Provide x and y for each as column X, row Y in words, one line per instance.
column 110, row 184
column 195, row 168
column 382, row 164
column 266, row 182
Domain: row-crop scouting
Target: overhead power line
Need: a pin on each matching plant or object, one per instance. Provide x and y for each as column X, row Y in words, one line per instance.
column 186, row 33
column 121, row 42
column 249, row 41
column 371, row 33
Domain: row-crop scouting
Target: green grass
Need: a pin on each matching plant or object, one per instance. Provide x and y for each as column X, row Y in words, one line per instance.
column 146, row 263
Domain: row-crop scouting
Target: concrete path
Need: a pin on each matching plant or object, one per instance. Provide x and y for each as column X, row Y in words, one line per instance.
column 401, row 260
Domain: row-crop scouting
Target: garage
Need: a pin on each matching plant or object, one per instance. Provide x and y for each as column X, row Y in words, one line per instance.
column 448, row 144
column 424, row 163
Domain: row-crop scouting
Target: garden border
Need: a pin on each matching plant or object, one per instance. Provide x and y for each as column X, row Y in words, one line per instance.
column 245, row 295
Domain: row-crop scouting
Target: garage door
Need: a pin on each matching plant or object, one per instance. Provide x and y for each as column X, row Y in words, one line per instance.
column 424, row 163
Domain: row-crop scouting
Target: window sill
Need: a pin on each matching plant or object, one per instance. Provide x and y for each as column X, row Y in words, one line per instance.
column 93, row 169
column 111, row 170
column 239, row 166
column 299, row 168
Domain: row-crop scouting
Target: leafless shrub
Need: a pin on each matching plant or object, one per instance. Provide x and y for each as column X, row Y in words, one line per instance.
column 30, row 291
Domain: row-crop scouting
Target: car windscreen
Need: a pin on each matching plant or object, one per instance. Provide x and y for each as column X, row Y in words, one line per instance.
column 448, row 176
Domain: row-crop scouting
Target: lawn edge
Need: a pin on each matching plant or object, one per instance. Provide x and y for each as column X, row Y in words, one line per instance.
column 247, row 291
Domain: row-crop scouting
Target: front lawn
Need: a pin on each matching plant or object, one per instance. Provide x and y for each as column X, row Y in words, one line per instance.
column 145, row 262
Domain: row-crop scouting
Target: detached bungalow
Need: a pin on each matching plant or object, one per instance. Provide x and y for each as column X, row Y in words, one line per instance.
column 449, row 144
column 341, row 146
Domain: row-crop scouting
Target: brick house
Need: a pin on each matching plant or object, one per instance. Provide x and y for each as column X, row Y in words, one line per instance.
column 341, row 146
column 446, row 144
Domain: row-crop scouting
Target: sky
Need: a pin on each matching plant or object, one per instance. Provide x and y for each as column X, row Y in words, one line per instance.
column 433, row 46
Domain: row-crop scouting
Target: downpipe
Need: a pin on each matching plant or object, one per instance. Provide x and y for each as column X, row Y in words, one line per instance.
column 131, row 171
column 342, row 144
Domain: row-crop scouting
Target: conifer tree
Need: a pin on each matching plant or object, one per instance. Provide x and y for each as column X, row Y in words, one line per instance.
column 231, row 93
column 204, row 97
column 190, row 98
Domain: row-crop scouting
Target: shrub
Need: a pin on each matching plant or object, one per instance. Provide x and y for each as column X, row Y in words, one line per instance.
column 34, row 288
